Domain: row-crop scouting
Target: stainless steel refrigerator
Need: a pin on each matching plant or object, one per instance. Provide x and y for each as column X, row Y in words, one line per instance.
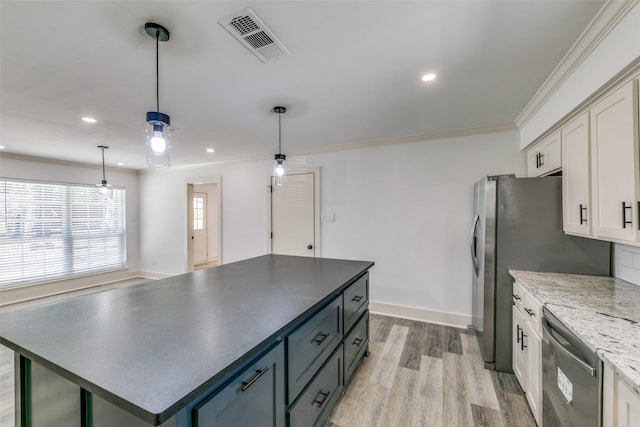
column 517, row 225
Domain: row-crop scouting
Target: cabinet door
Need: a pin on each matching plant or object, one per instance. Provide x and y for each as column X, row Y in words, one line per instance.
column 615, row 165
column 576, row 180
column 550, row 160
column 628, row 407
column 254, row 399
column 534, row 386
column 545, row 156
column 519, row 348
column 533, row 161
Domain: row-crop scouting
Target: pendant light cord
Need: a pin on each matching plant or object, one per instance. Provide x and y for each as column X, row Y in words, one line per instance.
column 279, row 133
column 104, row 178
column 157, row 72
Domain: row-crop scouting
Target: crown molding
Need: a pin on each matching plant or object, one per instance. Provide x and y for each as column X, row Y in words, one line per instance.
column 611, row 13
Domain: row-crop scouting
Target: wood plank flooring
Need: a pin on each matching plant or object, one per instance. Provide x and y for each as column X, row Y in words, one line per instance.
column 418, row 374
column 421, row 374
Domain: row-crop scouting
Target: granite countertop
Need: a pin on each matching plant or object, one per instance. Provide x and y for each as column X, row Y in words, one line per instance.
column 604, row 312
column 153, row 348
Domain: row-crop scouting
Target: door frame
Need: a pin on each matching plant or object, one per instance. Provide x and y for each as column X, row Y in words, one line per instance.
column 189, row 250
column 315, row 170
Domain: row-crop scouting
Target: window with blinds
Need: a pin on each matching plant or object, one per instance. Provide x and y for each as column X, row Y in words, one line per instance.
column 54, row 230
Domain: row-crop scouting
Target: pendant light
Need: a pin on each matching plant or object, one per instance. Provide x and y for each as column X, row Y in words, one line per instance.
column 104, row 189
column 279, row 171
column 158, row 124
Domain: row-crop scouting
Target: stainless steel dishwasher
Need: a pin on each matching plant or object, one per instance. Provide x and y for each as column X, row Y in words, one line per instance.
column 571, row 378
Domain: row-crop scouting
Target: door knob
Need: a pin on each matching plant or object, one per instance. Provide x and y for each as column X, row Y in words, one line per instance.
column 310, row 247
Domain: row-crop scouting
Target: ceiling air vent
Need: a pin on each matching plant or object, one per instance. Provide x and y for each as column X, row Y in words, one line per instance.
column 254, row 35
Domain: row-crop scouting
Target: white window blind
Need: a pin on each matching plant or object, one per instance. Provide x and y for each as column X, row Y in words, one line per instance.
column 55, row 230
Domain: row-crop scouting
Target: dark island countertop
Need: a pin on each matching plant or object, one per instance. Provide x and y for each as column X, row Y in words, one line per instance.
column 153, row 348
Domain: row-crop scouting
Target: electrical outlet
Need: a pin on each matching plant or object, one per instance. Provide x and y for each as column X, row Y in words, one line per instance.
column 328, row 217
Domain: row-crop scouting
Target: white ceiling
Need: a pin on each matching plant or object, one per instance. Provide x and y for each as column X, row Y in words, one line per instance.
column 353, row 76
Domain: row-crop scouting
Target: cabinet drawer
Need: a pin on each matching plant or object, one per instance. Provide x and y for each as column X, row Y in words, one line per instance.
column 533, row 311
column 518, row 295
column 315, row 404
column 355, row 344
column 356, row 300
column 309, row 346
column 253, row 399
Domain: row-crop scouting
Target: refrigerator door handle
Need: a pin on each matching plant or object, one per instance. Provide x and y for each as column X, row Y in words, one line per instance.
column 474, row 244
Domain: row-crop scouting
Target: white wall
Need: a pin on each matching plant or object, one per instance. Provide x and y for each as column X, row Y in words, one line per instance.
column 408, row 207
column 616, row 51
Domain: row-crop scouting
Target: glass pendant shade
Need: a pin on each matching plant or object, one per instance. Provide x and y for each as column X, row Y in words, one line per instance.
column 105, row 190
column 279, row 171
column 158, row 140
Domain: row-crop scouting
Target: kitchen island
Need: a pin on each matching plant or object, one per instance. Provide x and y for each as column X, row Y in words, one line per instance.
column 158, row 352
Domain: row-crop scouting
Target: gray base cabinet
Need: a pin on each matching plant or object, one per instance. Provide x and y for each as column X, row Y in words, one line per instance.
column 314, row 406
column 356, row 344
column 254, row 399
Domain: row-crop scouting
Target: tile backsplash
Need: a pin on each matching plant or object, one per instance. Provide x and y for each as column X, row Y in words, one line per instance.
column 626, row 261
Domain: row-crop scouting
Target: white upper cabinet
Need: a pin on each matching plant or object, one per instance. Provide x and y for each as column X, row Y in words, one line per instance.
column 544, row 157
column 576, row 179
column 615, row 165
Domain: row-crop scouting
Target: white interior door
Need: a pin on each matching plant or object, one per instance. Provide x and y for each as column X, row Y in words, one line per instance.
column 200, row 243
column 294, row 216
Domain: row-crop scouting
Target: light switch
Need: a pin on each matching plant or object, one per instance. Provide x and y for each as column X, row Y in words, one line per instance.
column 328, row 217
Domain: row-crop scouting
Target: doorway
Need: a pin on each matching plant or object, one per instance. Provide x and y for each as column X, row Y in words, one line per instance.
column 294, row 215
column 204, row 223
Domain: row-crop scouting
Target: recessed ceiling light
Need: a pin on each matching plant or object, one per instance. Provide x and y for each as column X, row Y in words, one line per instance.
column 428, row 77
column 89, row 120
column 210, row 150
column 120, row 164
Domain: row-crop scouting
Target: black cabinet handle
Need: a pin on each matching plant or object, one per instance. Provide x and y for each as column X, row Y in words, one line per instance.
column 516, row 297
column 624, row 215
column 357, row 342
column 541, row 160
column 537, row 160
column 638, row 215
column 522, row 346
column 310, row 247
column 319, row 339
column 253, row 379
column 518, row 333
column 530, row 312
column 583, row 209
column 357, row 298
column 322, row 395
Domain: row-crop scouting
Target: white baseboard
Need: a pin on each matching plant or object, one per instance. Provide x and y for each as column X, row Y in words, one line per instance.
column 152, row 275
column 420, row 314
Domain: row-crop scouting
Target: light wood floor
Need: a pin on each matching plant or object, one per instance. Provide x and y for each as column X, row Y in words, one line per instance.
column 418, row 374
column 421, row 374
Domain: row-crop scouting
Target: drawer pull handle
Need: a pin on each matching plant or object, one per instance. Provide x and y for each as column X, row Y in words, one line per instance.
column 518, row 334
column 357, row 342
column 516, row 297
column 530, row 312
column 323, row 395
column 253, row 379
column 583, row 209
column 357, row 298
column 624, row 215
column 522, row 346
column 319, row 339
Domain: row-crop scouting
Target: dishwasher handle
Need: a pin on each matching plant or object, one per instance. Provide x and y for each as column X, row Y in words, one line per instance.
column 581, row 363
